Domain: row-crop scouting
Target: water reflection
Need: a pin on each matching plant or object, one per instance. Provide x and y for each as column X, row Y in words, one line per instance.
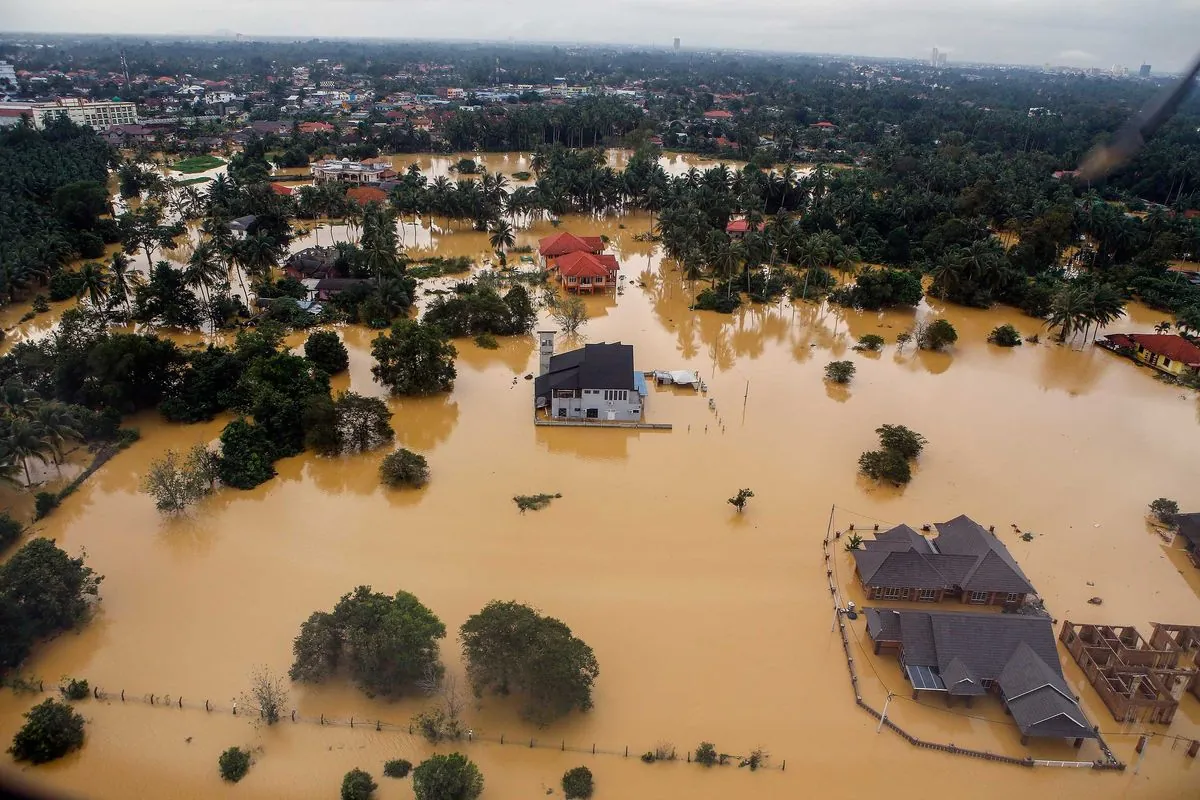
column 603, row 444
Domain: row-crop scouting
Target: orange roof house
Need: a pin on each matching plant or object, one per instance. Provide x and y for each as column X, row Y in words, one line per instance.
column 1166, row 352
column 718, row 114
column 586, row 272
column 280, row 189
column 560, row 244
column 739, row 227
column 315, row 127
column 366, row 194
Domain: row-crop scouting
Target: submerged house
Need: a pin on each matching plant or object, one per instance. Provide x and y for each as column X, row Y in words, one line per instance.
column 565, row 243
column 1166, row 352
column 586, row 272
column 595, row 382
column 311, row 262
column 1188, row 526
column 965, row 561
column 1012, row 656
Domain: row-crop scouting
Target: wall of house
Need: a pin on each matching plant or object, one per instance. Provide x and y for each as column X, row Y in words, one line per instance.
column 573, row 284
column 605, row 404
column 1160, row 362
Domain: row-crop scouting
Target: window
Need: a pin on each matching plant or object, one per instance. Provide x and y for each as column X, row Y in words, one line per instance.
column 927, row 595
column 593, row 413
column 562, row 412
column 894, row 593
column 1166, row 362
column 987, row 684
column 1013, row 597
column 979, row 598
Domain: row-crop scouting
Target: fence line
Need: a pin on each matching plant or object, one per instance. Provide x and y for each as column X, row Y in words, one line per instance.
column 1111, row 762
column 178, row 702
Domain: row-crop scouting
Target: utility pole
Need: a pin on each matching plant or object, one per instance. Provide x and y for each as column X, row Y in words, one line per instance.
column 883, row 716
column 125, row 69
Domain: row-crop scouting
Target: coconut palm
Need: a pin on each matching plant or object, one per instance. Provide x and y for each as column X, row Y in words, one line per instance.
column 24, row 440
column 257, row 254
column 93, row 282
column 501, row 239
column 204, row 270
column 122, row 281
column 1069, row 310
column 57, row 426
column 1162, row 327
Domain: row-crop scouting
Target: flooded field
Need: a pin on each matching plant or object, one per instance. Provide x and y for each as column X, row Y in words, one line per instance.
column 707, row 624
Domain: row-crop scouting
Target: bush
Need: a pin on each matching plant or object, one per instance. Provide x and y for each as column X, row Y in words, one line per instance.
column 1005, row 336
column 176, row 481
column 486, row 341
column 908, row 443
column 51, row 730
column 706, row 754
column 358, row 785
column 43, row 504
column 10, row 531
column 247, row 456
column 870, row 341
column 534, row 502
column 397, row 768
column 723, row 302
column 739, row 500
column 1164, row 510
column 75, row 689
column 40, row 306
column 578, row 782
column 839, row 371
column 234, row 763
column 449, row 777
column 936, row 335
column 404, row 468
column 880, row 288
column 885, row 465
column 325, row 349
column 64, row 285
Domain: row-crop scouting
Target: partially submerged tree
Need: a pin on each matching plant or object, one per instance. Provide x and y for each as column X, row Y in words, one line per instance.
column 352, row 423
column 935, row 335
column 854, row 541
column 511, row 648
column 908, row 443
column 358, row 785
column 871, row 342
column 447, row 777
column 325, row 349
column 706, row 754
column 387, row 644
column 1164, row 510
column 887, row 465
column 414, row 358
column 739, row 500
column 404, row 468
column 176, row 481
column 233, row 764
column 578, row 783
column 268, row 694
column 51, row 730
column 247, row 455
column 1005, row 336
column 397, row 768
column 839, row 371
column 569, row 313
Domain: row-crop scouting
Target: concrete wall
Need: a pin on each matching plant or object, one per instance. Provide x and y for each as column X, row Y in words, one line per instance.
column 596, row 400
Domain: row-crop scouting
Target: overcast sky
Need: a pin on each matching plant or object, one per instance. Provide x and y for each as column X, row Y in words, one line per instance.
column 1092, row 33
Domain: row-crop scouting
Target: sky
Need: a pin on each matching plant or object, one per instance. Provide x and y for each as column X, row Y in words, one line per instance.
column 1086, row 33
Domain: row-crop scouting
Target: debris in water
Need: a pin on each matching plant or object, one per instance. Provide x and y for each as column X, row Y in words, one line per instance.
column 1091, row 583
column 529, row 376
column 1095, row 601
column 534, row 502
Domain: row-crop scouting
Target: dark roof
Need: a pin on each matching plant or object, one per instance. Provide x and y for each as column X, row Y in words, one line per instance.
column 242, row 223
column 339, row 284
column 964, row 556
column 1189, row 527
column 594, row 366
column 1017, row 652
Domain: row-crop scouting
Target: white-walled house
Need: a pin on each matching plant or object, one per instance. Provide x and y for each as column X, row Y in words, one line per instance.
column 596, row 382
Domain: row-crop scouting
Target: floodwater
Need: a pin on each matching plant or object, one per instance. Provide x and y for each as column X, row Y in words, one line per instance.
column 707, row 625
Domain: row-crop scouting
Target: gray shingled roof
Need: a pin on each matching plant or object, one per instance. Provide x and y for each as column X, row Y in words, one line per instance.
column 964, row 556
column 1189, row 527
column 1018, row 652
column 593, row 366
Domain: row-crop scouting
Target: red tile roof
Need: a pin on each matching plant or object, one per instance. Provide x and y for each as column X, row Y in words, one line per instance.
column 315, row 127
column 366, row 194
column 823, row 124
column 741, row 226
column 1170, row 345
column 586, row 265
column 718, row 114
column 562, row 243
column 279, row 188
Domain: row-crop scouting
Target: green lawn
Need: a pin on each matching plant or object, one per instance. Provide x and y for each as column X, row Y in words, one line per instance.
column 190, row 181
column 197, row 164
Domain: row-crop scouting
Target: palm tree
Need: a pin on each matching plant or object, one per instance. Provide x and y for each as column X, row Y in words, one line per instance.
column 93, row 281
column 204, row 269
column 1162, row 327
column 57, row 425
column 26, row 440
column 122, row 281
column 1069, row 310
column 257, row 254
column 501, row 239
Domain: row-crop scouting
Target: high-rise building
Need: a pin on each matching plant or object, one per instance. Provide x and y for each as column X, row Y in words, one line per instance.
column 676, row 44
column 942, row 59
column 99, row 115
column 933, row 59
column 1144, row 71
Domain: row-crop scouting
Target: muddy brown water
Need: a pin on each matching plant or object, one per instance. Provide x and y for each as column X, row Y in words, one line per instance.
column 708, row 625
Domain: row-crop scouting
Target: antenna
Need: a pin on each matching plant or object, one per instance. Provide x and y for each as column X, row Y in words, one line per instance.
column 125, row 68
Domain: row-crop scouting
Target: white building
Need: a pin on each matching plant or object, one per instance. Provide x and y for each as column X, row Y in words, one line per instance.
column 8, row 76
column 347, row 171
column 98, row 115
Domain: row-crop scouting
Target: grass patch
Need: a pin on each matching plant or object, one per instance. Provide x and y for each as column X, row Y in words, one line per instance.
column 191, row 181
column 197, row 164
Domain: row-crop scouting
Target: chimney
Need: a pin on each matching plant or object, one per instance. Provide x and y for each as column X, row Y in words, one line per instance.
column 545, row 350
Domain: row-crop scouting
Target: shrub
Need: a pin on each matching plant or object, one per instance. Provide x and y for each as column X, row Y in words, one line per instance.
column 486, row 341
column 1164, row 510
column 870, row 341
column 739, row 500
column 908, row 443
column 706, row 754
column 449, row 777
column 358, row 785
column 64, row 285
column 436, row 725
column 75, row 689
column 534, row 502
column 51, row 730
column 40, row 306
column 885, row 465
column 578, row 782
column 839, row 371
column 404, row 468
column 43, row 504
column 1005, row 336
column 326, row 350
column 854, row 542
column 936, row 335
column 10, row 531
column 880, row 288
column 522, row 175
column 397, row 768
column 176, row 481
column 247, row 455
column 234, row 763
column 723, row 302
column 648, row 757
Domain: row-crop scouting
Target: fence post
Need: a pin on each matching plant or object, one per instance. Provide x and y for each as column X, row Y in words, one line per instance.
column 181, row 701
column 322, row 719
column 122, row 695
column 502, row 738
column 689, row 756
column 784, row 767
column 378, row 727
column 352, row 722
column 206, row 708
column 627, row 751
column 96, row 692
column 564, row 745
column 593, row 748
column 151, row 699
column 530, row 742
column 293, row 715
